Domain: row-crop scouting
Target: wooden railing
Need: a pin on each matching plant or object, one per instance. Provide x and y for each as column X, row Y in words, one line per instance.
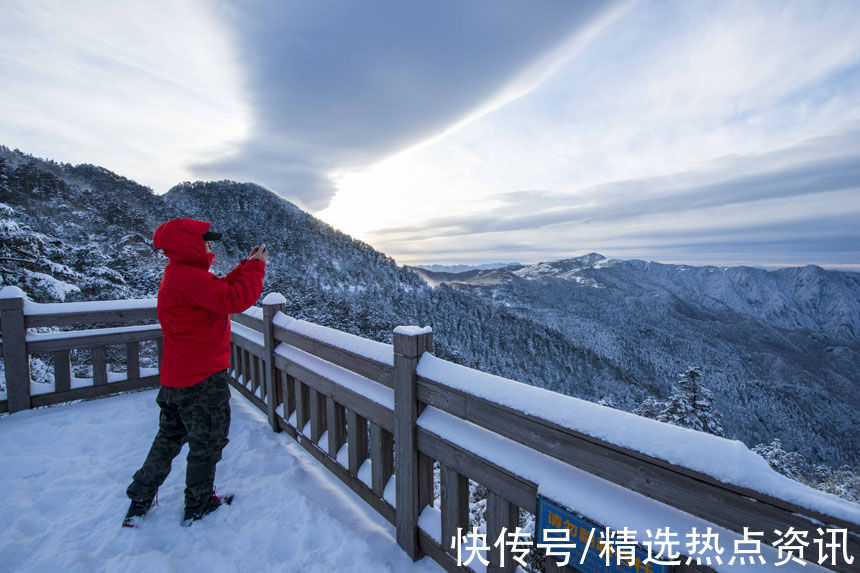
column 17, row 314
column 377, row 417
column 370, row 402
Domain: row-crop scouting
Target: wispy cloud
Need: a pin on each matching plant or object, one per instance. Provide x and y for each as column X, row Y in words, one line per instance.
column 771, row 199
column 142, row 89
column 341, row 85
column 751, row 179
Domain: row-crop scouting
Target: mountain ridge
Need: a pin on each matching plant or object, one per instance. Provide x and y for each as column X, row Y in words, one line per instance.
column 777, row 288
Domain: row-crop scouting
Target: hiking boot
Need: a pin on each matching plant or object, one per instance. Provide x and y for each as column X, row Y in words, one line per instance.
column 194, row 513
column 136, row 511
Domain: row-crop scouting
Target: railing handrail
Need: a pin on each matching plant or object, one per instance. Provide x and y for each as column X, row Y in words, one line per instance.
column 53, row 308
column 68, row 340
column 104, row 312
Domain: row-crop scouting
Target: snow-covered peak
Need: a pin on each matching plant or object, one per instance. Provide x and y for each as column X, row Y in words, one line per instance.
column 566, row 269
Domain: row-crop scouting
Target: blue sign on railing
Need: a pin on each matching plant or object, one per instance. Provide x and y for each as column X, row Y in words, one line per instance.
column 561, row 532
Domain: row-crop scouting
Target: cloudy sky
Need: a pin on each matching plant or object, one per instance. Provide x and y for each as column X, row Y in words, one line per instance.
column 471, row 132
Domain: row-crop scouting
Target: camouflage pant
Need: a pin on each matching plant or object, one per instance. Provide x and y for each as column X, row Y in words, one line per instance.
column 199, row 415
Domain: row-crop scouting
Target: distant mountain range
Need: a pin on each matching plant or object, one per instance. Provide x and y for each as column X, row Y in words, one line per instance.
column 453, row 269
column 790, row 298
column 779, row 349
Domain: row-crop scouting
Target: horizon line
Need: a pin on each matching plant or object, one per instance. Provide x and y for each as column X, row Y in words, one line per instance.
column 845, row 267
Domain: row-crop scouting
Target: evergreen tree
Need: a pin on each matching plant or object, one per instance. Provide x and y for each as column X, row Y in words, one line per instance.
column 690, row 405
column 843, row 481
column 650, row 408
column 790, row 464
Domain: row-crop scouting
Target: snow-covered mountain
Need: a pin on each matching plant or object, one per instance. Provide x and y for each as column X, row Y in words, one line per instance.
column 778, row 349
column 789, row 298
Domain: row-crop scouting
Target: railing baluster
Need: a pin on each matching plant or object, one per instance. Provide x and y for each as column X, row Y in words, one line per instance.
column 455, row 505
column 277, row 397
column 381, row 457
column 99, row 366
column 255, row 372
column 233, row 365
column 273, row 303
column 132, row 360
column 425, row 481
column 240, row 368
column 318, row 415
column 357, row 436
column 62, row 371
column 238, row 364
column 264, row 389
column 289, row 389
column 302, row 405
column 501, row 514
column 336, row 416
column 246, row 370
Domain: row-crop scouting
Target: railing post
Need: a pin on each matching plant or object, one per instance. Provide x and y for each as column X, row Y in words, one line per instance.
column 409, row 344
column 15, row 358
column 273, row 303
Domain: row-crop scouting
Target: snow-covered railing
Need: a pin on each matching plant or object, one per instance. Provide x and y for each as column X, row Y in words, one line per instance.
column 18, row 315
column 357, row 405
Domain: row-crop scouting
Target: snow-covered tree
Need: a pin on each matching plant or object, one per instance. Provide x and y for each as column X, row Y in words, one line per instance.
column 843, row 481
column 690, row 405
column 650, row 408
column 32, row 261
column 790, row 464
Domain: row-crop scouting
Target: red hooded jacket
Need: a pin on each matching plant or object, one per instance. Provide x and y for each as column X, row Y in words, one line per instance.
column 193, row 304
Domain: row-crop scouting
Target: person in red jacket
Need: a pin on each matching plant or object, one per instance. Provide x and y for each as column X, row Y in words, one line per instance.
column 193, row 309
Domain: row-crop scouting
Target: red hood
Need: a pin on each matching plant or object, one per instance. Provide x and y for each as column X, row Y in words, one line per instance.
column 182, row 241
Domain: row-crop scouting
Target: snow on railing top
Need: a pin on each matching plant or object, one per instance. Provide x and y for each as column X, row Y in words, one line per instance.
column 41, row 337
column 729, row 461
column 376, row 351
column 254, row 312
column 608, row 503
column 413, row 330
column 274, row 298
column 35, row 308
column 12, row 292
column 248, row 334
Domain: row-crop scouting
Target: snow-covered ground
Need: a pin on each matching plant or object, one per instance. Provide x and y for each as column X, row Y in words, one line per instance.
column 64, row 470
